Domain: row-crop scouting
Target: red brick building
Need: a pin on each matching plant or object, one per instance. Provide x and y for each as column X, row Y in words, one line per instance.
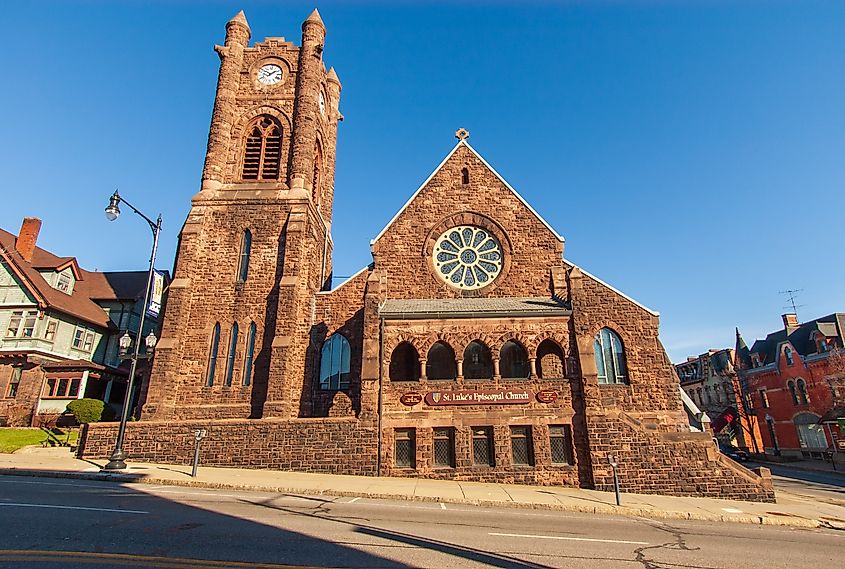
column 795, row 378
column 468, row 349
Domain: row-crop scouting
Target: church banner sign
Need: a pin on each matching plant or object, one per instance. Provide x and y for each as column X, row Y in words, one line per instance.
column 479, row 397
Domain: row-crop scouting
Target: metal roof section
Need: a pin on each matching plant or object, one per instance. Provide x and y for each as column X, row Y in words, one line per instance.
column 481, row 307
column 614, row 289
column 495, row 173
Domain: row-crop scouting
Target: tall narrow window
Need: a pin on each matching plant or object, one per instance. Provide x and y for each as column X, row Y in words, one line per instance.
column 513, row 361
column 230, row 357
column 444, row 447
column 317, row 180
column 263, row 150
column 482, row 446
column 764, row 399
column 803, row 395
column 14, row 383
column 610, row 357
column 405, row 448
column 250, row 353
column 521, row 447
column 465, row 176
column 212, row 355
column 792, row 392
column 560, row 441
column 334, row 363
column 246, row 248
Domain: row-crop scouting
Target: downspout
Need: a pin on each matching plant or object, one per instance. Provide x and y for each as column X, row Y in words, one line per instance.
column 380, row 393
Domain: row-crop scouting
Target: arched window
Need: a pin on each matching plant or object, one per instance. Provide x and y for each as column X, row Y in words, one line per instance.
column 404, row 363
column 787, row 352
column 803, row 395
column 550, row 360
column 513, row 361
column 465, row 176
column 478, row 364
column 334, row 363
column 610, row 357
column 317, row 181
column 250, row 354
column 246, row 248
column 440, row 363
column 791, row 385
column 212, row 355
column 230, row 358
column 263, row 150
column 820, row 341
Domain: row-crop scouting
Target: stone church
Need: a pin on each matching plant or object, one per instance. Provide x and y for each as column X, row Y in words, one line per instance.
column 469, row 348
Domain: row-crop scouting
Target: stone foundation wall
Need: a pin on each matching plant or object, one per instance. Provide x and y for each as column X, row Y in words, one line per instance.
column 335, row 446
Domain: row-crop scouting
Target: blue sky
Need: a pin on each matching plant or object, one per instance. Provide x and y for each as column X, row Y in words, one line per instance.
column 691, row 153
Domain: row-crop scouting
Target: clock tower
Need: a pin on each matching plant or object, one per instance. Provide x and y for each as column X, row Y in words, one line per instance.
column 256, row 246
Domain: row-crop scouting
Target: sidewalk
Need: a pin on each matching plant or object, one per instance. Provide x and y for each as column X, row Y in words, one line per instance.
column 791, row 510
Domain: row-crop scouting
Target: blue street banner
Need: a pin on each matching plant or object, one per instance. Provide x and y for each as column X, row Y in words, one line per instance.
column 156, row 292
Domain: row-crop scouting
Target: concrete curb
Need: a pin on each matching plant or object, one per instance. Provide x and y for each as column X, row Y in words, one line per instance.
column 603, row 509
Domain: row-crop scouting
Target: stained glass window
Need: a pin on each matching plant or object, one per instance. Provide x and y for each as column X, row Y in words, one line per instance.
column 467, row 257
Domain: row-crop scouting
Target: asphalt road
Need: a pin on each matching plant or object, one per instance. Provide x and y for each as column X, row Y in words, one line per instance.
column 52, row 523
column 826, row 487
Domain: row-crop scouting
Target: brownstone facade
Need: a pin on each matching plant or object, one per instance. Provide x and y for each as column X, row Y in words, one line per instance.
column 473, row 361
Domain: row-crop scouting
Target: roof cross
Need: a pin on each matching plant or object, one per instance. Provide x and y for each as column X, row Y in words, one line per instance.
column 462, row 134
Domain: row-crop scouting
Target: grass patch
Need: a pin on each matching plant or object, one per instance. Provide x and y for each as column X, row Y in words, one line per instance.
column 12, row 439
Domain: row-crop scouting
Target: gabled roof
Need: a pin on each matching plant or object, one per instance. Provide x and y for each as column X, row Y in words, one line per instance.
column 90, row 285
column 489, row 167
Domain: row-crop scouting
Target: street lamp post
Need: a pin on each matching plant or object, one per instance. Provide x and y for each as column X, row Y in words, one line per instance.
column 117, row 460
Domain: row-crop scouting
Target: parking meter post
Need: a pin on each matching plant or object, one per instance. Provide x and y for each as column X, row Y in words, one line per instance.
column 613, row 464
column 198, row 437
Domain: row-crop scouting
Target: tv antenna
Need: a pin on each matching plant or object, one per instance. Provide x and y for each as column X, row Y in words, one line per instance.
column 792, row 294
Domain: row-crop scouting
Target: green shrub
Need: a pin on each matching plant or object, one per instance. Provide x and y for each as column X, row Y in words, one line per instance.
column 86, row 410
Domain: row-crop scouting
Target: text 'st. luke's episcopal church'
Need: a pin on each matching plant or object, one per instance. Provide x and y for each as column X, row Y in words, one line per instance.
column 468, row 349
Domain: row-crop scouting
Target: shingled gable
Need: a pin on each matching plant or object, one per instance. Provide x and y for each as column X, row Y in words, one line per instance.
column 489, row 167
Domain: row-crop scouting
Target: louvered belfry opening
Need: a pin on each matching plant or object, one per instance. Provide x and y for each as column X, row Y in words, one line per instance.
column 263, row 150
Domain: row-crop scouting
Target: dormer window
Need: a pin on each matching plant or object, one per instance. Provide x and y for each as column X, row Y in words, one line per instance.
column 755, row 360
column 787, row 353
column 821, row 343
column 63, row 282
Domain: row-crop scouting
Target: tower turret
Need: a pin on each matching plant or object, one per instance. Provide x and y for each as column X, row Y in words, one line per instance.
column 307, row 105
column 219, row 136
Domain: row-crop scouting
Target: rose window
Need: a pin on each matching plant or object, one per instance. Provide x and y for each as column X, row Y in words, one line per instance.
column 467, row 257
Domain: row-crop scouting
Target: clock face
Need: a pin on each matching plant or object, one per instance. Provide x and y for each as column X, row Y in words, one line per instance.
column 322, row 104
column 269, row 74
column 467, row 257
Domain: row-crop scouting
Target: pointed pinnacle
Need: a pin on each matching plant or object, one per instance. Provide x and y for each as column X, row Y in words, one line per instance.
column 332, row 76
column 315, row 19
column 239, row 18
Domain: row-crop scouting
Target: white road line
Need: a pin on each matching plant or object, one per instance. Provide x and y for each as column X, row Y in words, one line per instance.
column 353, row 500
column 72, row 508
column 570, row 538
column 442, row 506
